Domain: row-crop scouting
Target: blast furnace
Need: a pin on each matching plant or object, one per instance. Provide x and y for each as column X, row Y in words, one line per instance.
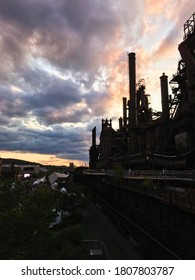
column 146, row 138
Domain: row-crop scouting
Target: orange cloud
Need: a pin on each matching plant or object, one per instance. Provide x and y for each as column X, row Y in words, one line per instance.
column 163, row 7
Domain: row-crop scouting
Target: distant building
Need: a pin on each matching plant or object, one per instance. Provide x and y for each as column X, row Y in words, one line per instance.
column 8, row 171
column 27, row 171
column 19, row 172
column 58, row 180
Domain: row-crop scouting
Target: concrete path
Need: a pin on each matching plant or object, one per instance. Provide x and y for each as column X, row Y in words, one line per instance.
column 117, row 247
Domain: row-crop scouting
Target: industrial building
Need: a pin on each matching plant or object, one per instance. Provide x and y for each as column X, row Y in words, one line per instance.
column 147, row 139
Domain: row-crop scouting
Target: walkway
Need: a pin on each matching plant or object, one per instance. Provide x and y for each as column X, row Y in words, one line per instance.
column 117, row 247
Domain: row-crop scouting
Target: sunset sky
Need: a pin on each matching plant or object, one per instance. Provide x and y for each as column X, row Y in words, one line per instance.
column 64, row 68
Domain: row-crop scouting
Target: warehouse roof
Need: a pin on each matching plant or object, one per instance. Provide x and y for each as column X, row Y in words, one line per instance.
column 55, row 176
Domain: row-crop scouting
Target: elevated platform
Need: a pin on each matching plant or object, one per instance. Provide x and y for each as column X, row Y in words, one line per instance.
column 189, row 27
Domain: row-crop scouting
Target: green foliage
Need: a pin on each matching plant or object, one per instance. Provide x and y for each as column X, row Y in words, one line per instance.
column 148, row 184
column 118, row 173
column 25, row 216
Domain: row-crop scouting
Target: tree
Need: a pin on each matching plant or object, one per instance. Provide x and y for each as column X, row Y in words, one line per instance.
column 24, row 223
column 118, row 173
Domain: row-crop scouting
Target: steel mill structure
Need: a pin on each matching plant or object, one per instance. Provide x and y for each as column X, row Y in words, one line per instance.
column 148, row 139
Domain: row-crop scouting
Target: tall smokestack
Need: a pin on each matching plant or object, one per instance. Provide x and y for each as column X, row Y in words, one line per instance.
column 125, row 111
column 120, row 123
column 94, row 136
column 164, row 98
column 132, row 90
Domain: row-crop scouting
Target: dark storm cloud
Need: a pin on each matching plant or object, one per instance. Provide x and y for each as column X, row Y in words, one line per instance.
column 58, row 95
column 67, row 33
column 28, row 14
column 74, row 35
column 51, row 55
column 95, row 101
column 59, row 141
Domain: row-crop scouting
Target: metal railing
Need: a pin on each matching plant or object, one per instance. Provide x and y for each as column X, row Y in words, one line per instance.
column 150, row 184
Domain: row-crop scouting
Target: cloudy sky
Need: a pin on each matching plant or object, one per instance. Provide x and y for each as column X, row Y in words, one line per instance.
column 64, row 68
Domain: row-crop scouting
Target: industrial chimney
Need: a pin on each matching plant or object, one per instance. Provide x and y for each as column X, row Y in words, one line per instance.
column 164, row 98
column 94, row 137
column 125, row 112
column 132, row 90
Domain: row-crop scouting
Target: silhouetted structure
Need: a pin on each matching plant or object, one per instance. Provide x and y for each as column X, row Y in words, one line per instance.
column 93, row 152
column 149, row 139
